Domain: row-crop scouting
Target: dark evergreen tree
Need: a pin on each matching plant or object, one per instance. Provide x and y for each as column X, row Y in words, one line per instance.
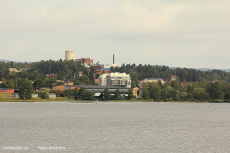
column 76, row 94
column 106, row 94
column 117, row 94
column 130, row 94
column 81, row 93
column 25, row 91
column 89, row 95
column 145, row 93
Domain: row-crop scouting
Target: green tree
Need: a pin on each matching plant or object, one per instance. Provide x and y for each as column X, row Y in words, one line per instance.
column 189, row 89
column 69, row 93
column 91, row 77
column 200, row 94
column 76, row 82
column 81, row 93
column 25, row 92
column 183, row 96
column 130, row 94
column 154, row 91
column 76, row 94
column 60, row 83
column 175, row 84
column 175, row 95
column 89, row 95
column 44, row 93
column 18, row 82
column 134, row 79
column 39, row 82
column 8, row 83
column 227, row 92
column 215, row 90
column 166, row 93
column 84, row 79
column 117, row 94
column 106, row 94
column 145, row 93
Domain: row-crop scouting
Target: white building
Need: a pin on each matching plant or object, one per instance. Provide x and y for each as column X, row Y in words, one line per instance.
column 110, row 65
column 115, row 79
column 69, row 55
column 148, row 80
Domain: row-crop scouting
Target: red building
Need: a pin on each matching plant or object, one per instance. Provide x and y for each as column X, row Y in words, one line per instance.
column 96, row 80
column 173, row 77
column 86, row 61
column 6, row 90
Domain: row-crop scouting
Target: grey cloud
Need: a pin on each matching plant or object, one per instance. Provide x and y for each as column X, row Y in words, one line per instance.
column 175, row 33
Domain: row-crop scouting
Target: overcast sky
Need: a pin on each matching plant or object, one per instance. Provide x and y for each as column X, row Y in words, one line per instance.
column 176, row 33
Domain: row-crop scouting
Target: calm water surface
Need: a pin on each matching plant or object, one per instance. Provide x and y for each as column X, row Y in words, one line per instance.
column 121, row 127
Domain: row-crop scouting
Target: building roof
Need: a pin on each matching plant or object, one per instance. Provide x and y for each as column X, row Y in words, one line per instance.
column 6, row 88
column 104, row 68
column 49, row 75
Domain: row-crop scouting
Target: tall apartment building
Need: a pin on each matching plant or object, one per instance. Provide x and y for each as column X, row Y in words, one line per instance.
column 115, row 79
column 69, row 55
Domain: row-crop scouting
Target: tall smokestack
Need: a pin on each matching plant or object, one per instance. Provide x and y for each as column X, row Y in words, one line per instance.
column 113, row 58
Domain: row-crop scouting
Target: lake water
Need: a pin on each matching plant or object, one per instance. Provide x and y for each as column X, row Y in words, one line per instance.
column 119, row 127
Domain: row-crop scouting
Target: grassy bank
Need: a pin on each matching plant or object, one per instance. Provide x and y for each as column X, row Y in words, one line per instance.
column 6, row 97
column 14, row 99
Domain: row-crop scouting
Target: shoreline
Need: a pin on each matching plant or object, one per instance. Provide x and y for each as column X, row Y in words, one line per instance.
column 63, row 99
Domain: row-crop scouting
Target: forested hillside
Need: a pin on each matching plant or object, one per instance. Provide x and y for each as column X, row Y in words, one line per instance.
column 140, row 72
column 69, row 69
column 191, row 84
column 60, row 70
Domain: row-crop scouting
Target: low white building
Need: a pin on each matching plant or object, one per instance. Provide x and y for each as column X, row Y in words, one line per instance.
column 148, row 80
column 115, row 79
column 35, row 95
column 111, row 65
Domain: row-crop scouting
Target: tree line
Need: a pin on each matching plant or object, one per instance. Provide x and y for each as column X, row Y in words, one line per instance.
column 59, row 70
column 202, row 90
column 140, row 72
column 191, row 84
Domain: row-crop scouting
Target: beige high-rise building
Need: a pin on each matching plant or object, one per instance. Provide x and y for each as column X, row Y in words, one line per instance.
column 69, row 55
column 115, row 79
